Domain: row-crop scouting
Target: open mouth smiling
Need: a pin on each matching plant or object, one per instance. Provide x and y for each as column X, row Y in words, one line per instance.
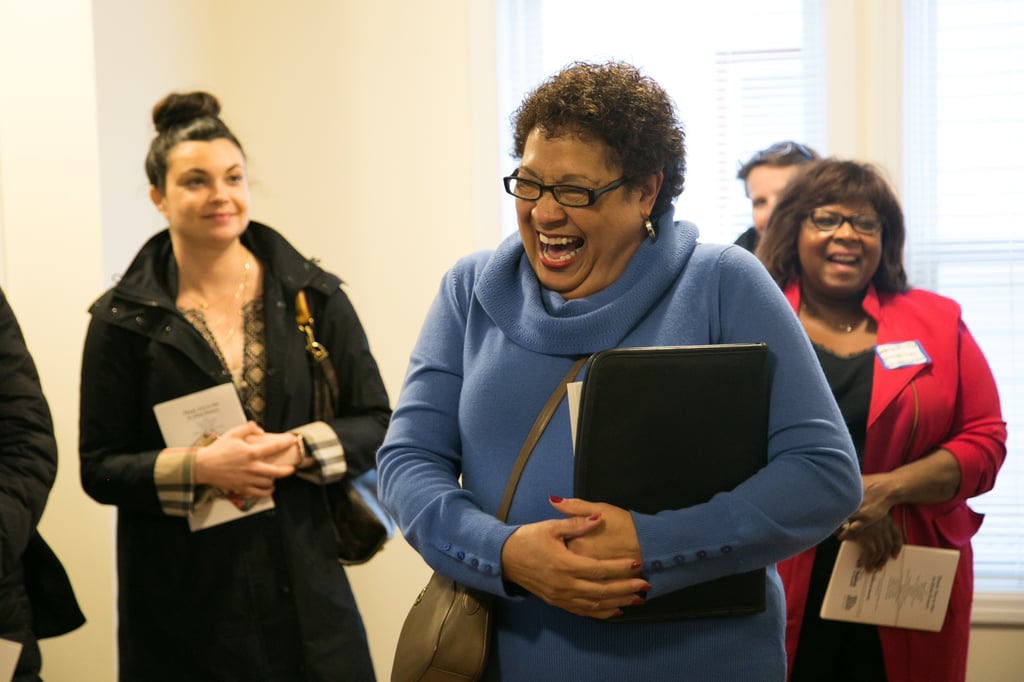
column 847, row 259
column 558, row 251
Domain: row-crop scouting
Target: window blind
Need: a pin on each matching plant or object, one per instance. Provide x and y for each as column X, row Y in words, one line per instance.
column 964, row 152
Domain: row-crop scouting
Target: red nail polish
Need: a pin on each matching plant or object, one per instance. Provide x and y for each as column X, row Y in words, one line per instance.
column 594, row 517
column 635, row 565
column 555, row 498
column 637, row 601
column 647, row 587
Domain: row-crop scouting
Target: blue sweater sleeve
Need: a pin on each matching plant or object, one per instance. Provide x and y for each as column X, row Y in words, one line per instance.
column 420, row 462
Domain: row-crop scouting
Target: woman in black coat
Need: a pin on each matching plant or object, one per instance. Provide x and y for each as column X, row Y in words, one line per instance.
column 208, row 301
column 36, row 599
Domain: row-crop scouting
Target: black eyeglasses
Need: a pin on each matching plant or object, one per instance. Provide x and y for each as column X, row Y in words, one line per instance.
column 827, row 221
column 567, row 195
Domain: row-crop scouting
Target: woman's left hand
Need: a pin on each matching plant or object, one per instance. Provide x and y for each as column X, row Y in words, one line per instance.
column 283, row 448
column 614, row 539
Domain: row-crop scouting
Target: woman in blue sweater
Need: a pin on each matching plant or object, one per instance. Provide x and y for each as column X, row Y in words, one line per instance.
column 599, row 263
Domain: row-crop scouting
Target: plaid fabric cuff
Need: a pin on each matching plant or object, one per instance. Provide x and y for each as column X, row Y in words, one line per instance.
column 323, row 446
column 175, row 486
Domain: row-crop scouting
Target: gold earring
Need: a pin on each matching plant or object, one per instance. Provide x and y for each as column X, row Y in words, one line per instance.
column 650, row 229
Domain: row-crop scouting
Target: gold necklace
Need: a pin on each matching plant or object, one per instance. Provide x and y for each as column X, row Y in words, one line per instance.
column 236, row 293
column 846, row 328
column 228, row 321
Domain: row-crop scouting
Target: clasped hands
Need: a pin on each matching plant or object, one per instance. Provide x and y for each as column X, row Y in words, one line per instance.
column 245, row 461
column 587, row 563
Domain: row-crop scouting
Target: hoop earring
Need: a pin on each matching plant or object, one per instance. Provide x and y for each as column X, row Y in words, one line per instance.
column 650, row 230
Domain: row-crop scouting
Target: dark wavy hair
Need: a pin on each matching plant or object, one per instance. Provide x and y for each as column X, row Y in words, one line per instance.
column 183, row 117
column 834, row 181
column 614, row 103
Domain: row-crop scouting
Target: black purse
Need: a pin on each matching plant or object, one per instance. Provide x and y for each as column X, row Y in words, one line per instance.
column 361, row 526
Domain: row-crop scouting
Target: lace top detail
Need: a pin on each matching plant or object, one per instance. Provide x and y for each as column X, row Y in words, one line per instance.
column 249, row 379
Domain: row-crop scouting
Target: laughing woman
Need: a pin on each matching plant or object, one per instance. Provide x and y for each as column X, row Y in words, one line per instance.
column 599, row 262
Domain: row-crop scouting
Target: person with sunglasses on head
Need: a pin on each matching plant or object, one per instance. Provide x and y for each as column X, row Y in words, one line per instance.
column 600, row 262
column 919, row 400
column 764, row 176
column 210, row 302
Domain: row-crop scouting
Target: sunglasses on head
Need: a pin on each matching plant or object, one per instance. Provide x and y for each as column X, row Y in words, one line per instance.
column 781, row 150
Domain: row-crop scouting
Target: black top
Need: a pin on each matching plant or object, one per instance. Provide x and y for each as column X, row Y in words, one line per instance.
column 749, row 239
column 850, row 380
column 837, row 649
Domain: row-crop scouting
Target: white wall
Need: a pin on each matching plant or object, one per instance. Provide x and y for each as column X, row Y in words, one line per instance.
column 342, row 107
column 51, row 247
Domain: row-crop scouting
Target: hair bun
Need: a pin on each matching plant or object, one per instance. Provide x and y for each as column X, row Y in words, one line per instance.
column 178, row 109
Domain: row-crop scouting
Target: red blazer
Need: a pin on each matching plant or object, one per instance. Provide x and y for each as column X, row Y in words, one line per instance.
column 950, row 402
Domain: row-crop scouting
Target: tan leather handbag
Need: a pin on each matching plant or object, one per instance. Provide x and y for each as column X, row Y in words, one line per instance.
column 447, row 633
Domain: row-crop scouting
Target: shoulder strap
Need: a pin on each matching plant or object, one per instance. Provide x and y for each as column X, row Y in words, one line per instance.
column 536, row 430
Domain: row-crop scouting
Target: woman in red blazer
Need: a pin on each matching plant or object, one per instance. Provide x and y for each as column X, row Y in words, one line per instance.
column 921, row 405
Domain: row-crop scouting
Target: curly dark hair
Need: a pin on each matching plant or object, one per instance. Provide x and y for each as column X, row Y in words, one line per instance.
column 834, row 181
column 614, row 103
column 181, row 117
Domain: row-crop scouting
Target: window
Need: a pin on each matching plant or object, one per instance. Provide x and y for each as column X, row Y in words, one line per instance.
column 964, row 151
column 738, row 86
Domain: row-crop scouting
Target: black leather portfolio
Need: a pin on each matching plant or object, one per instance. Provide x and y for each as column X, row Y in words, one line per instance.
column 666, row 428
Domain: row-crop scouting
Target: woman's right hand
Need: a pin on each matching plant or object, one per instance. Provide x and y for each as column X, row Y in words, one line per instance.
column 536, row 558
column 244, row 461
column 878, row 542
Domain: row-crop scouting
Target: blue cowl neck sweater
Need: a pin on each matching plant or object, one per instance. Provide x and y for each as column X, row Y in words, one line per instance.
column 491, row 349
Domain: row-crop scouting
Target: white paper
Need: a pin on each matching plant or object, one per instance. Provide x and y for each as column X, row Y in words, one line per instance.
column 192, row 419
column 910, row 591
column 197, row 419
column 9, row 654
column 573, row 391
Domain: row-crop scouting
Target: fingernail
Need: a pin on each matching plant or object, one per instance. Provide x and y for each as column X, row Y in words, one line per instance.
column 637, row 601
column 635, row 565
column 647, row 587
column 594, row 517
column 555, row 498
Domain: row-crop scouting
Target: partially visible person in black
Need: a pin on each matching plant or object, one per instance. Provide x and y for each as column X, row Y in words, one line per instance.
column 36, row 599
column 764, row 176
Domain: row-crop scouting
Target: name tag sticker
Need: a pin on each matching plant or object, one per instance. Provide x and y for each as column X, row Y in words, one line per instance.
column 902, row 354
